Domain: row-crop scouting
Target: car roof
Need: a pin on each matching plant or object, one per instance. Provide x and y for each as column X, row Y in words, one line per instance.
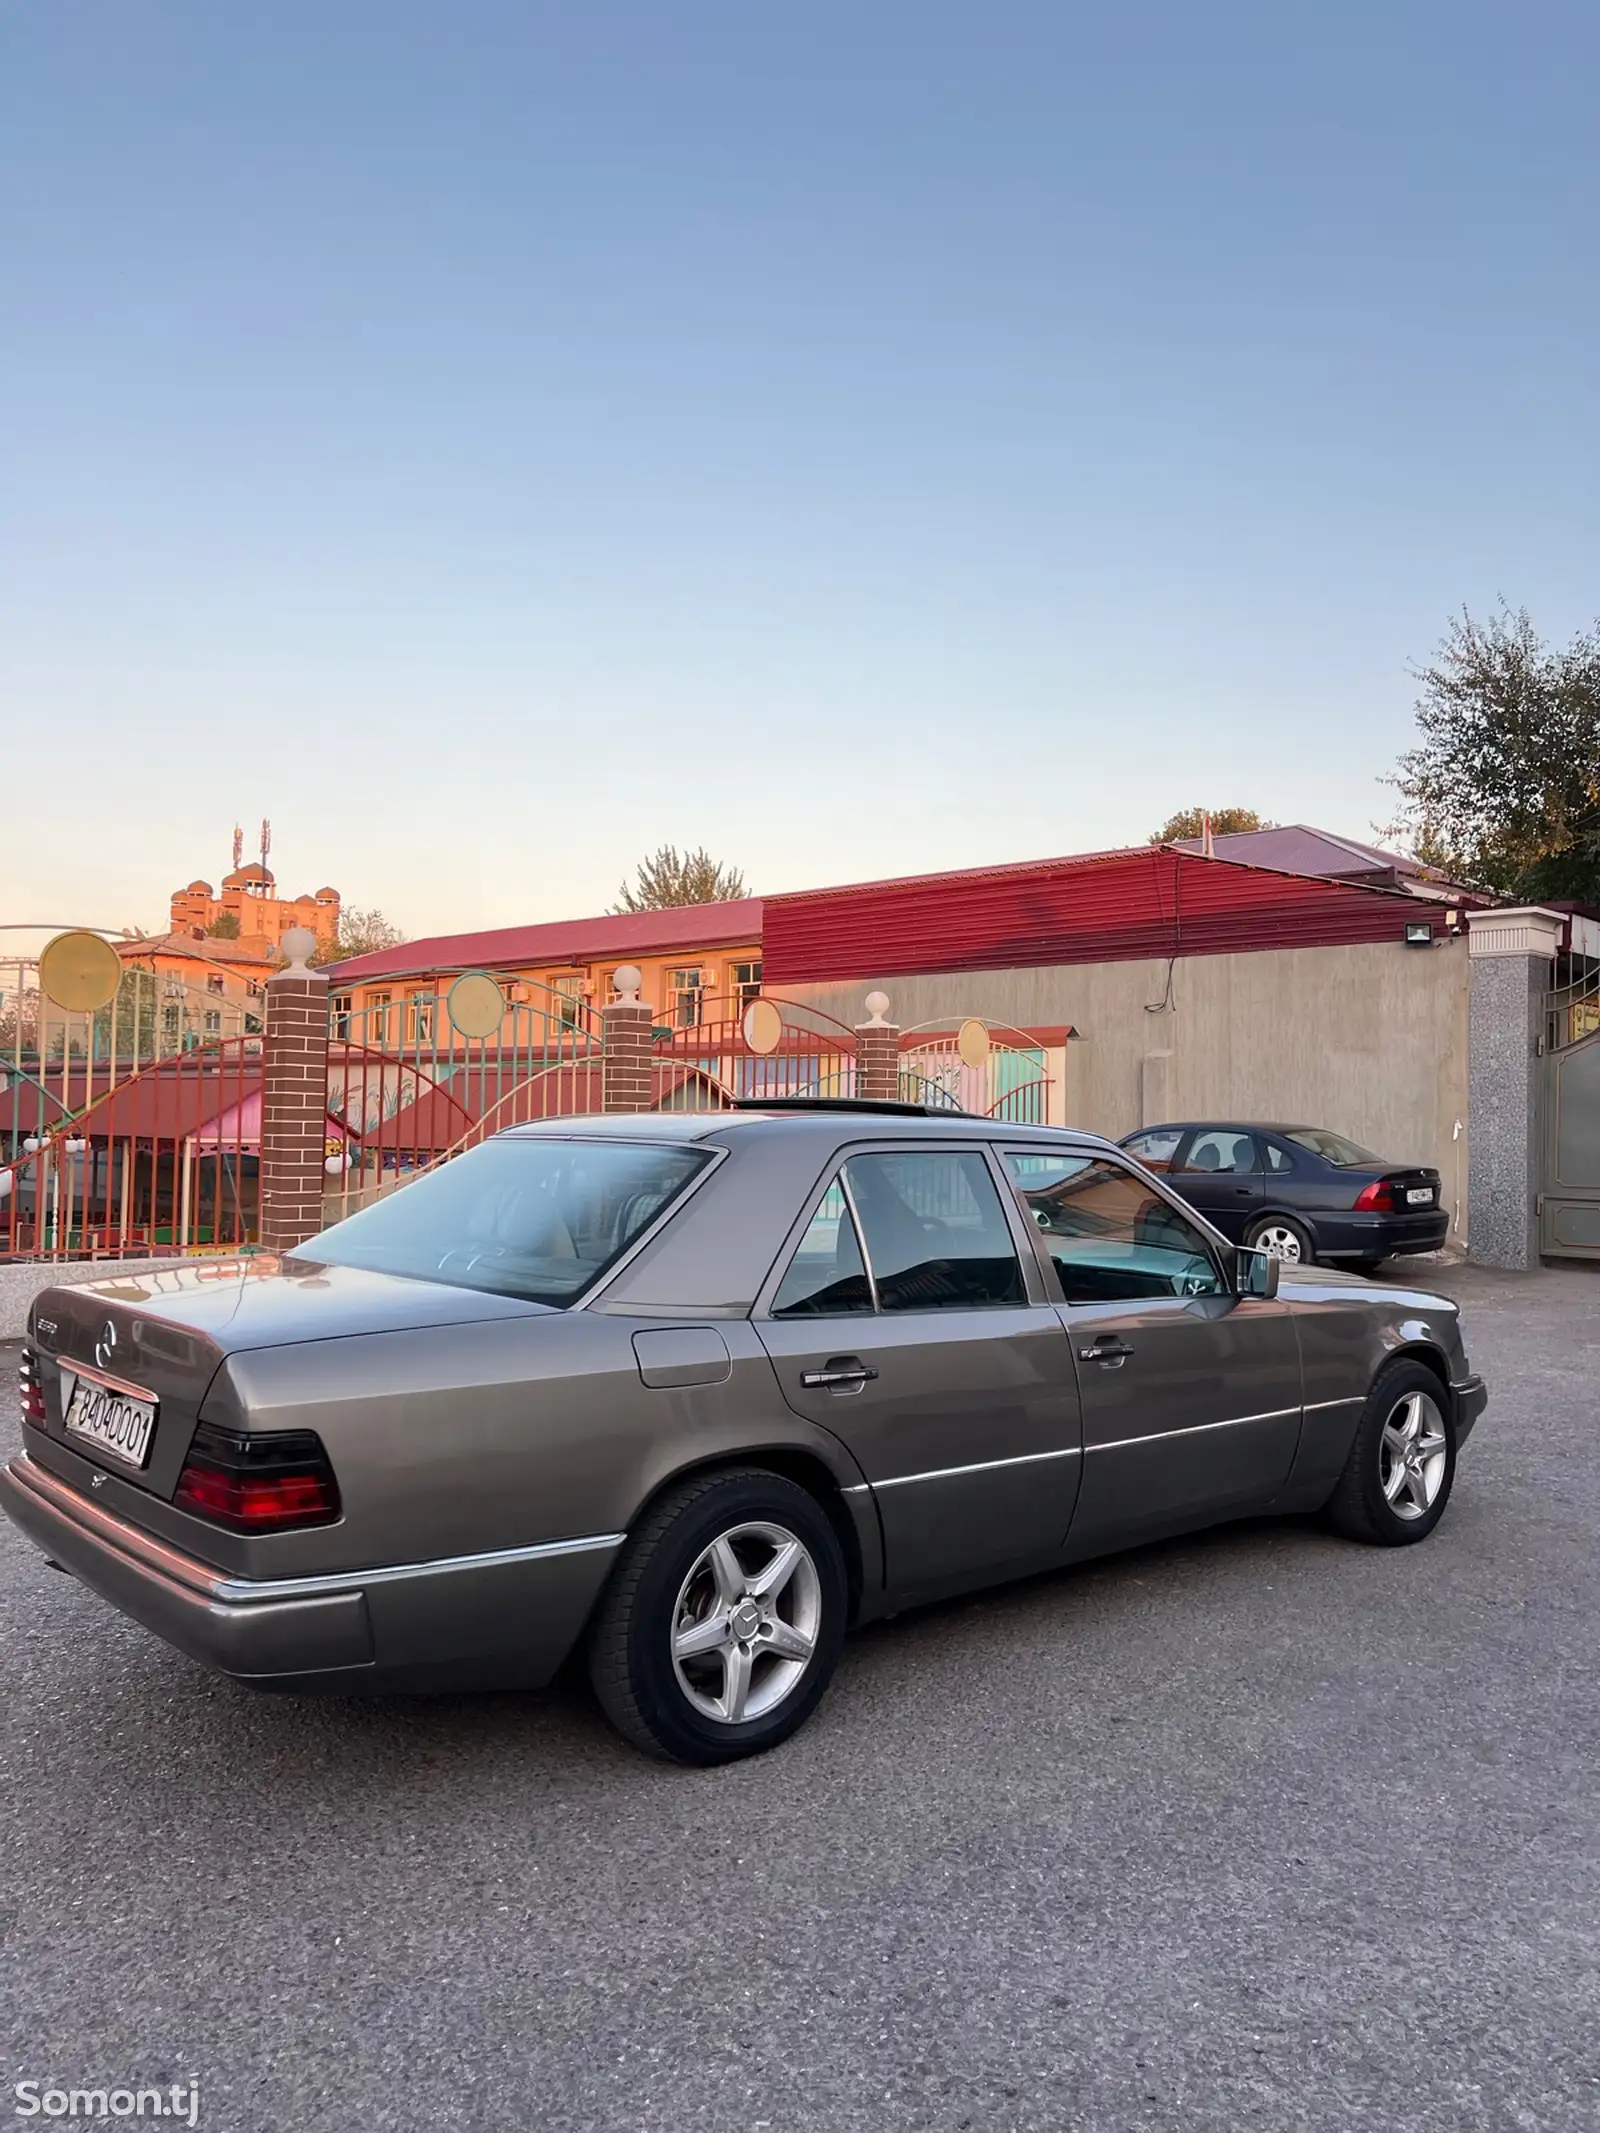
column 1223, row 1125
column 835, row 1122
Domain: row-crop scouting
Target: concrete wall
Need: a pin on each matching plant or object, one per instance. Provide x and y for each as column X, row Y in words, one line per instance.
column 1371, row 1040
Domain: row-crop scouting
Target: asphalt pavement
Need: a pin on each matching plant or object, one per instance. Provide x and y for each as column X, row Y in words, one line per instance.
column 1258, row 1829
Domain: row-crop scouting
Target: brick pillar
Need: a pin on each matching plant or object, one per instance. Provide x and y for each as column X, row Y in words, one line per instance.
column 294, row 1099
column 877, row 1053
column 626, row 1082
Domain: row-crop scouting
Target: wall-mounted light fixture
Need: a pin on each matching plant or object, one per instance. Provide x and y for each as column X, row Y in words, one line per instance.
column 1419, row 934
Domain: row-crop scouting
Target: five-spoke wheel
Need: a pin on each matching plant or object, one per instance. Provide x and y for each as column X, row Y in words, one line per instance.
column 745, row 1626
column 722, row 1624
column 1402, row 1460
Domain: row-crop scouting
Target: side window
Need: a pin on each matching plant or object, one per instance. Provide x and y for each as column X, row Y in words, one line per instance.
column 1223, row 1149
column 1111, row 1238
column 936, row 1234
column 1155, row 1150
column 1279, row 1160
column 826, row 1276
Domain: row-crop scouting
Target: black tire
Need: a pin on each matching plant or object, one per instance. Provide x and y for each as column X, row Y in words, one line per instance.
column 1265, row 1223
column 1359, row 1507
column 631, row 1647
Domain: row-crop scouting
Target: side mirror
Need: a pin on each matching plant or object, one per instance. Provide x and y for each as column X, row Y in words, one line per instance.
column 1255, row 1273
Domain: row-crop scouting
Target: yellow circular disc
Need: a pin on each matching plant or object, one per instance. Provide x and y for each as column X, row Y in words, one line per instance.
column 79, row 971
column 476, row 1005
column 763, row 1026
column 972, row 1042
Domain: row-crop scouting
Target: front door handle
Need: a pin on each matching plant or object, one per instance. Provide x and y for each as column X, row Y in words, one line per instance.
column 843, row 1373
column 1112, row 1351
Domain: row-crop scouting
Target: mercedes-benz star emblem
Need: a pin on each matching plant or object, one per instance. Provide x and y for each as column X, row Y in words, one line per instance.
column 105, row 1348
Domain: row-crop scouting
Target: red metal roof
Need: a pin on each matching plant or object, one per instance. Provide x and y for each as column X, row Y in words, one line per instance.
column 567, row 940
column 1103, row 907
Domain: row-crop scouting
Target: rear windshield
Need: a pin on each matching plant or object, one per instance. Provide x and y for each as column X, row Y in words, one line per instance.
column 538, row 1219
column 1333, row 1148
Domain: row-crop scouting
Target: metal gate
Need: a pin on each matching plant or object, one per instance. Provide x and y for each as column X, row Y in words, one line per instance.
column 1569, row 1205
column 415, row 1080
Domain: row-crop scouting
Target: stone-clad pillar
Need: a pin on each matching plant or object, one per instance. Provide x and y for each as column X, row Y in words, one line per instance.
column 1511, row 956
column 877, row 1053
column 294, row 1098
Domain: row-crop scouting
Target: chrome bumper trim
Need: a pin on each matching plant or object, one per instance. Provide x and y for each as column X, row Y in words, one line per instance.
column 217, row 1585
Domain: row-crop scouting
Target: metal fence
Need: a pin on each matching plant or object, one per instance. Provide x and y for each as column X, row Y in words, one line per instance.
column 163, row 1158
column 408, row 1086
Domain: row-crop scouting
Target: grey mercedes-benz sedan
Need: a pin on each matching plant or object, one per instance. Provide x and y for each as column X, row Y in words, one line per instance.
column 688, row 1396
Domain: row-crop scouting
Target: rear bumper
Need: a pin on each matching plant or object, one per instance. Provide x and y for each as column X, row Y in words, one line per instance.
column 1353, row 1236
column 505, row 1619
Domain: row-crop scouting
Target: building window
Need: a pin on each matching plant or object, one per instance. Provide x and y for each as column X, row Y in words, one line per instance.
column 213, row 1022
column 419, row 1017
column 170, row 1018
column 744, row 982
column 378, row 1017
column 253, row 990
column 569, row 1001
column 214, row 984
column 685, row 996
column 339, row 1007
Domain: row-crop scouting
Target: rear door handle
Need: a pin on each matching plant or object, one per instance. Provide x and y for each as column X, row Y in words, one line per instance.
column 1113, row 1351
column 843, row 1373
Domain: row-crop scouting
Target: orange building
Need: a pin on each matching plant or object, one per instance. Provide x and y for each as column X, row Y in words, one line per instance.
column 700, row 962
column 209, row 984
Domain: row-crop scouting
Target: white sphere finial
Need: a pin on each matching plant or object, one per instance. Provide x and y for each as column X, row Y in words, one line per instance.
column 298, row 943
column 627, row 981
column 877, row 1008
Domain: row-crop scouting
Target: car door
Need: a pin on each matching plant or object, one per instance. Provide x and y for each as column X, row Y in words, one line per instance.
column 911, row 1320
column 1220, row 1173
column 1191, row 1391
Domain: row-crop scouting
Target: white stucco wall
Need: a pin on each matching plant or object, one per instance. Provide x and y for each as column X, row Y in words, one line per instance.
column 1370, row 1040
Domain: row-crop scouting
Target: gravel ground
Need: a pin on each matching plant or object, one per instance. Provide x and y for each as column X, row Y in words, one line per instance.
column 1255, row 1829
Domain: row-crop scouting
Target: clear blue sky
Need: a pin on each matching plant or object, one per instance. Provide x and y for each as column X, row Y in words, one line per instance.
column 494, row 439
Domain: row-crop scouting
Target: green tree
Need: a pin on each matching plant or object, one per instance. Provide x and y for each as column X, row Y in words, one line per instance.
column 360, row 933
column 1225, row 822
column 669, row 878
column 1503, row 787
column 224, row 927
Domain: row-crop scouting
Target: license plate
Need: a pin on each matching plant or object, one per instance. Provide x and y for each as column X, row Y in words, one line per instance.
column 116, row 1422
column 1419, row 1196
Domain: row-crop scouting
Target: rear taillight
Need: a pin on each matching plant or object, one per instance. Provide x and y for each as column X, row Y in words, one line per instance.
column 1376, row 1198
column 32, row 1391
column 258, row 1484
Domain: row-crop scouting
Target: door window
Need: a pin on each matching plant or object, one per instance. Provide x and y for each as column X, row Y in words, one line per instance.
column 827, row 1275
column 1221, row 1148
column 1278, row 1159
column 1155, row 1150
column 935, row 1231
column 1110, row 1237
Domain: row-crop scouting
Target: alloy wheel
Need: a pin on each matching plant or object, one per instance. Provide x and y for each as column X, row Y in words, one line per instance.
column 1412, row 1456
column 746, row 1623
column 1278, row 1241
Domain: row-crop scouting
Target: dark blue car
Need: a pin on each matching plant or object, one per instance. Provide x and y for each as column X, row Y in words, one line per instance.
column 1301, row 1193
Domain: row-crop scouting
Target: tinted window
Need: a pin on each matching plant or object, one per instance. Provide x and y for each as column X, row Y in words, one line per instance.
column 540, row 1219
column 1155, row 1150
column 1221, row 1148
column 1278, row 1158
column 1111, row 1238
column 1333, row 1148
column 936, row 1234
column 826, row 1274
